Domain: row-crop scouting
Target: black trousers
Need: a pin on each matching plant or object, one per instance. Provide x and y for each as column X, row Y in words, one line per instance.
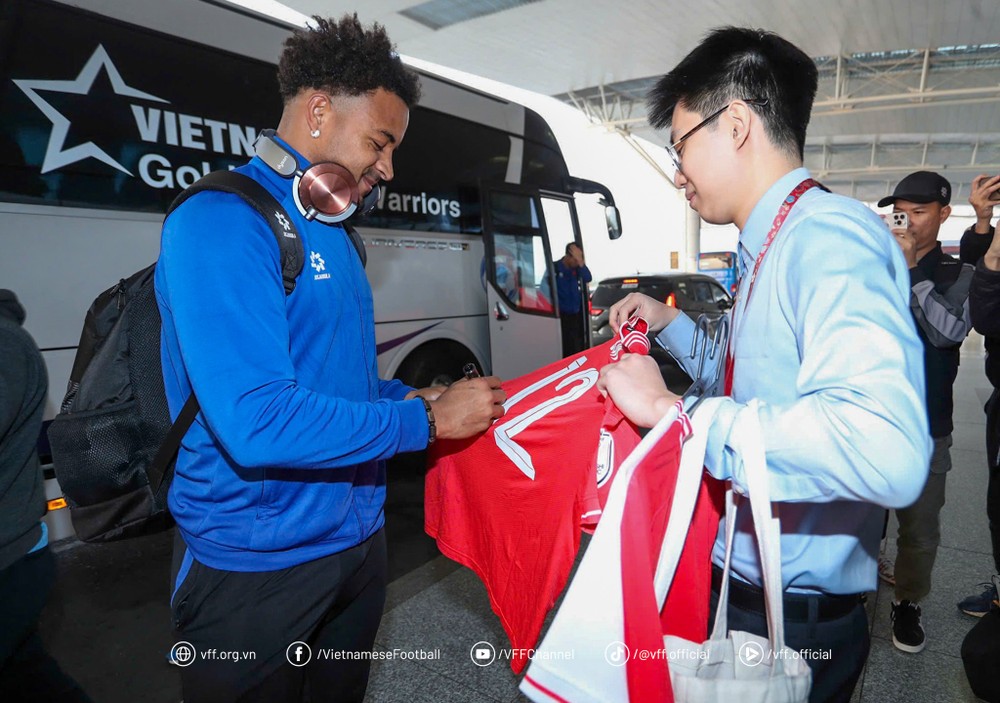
column 573, row 338
column 993, row 487
column 842, row 642
column 242, row 626
column 27, row 672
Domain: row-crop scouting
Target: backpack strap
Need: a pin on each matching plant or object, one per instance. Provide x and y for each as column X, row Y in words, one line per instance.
column 359, row 244
column 292, row 260
column 267, row 206
column 157, row 470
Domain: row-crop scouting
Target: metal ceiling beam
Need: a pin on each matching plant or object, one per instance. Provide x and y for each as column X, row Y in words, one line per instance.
column 619, row 115
column 888, row 161
column 854, row 84
column 875, row 171
column 849, row 84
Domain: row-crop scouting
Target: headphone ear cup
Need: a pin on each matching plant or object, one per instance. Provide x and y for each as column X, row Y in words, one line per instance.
column 370, row 200
column 327, row 192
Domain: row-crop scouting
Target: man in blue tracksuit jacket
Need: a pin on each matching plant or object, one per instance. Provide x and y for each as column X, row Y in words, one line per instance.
column 280, row 483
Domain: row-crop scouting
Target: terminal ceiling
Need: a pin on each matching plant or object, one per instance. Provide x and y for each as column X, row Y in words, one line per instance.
column 905, row 84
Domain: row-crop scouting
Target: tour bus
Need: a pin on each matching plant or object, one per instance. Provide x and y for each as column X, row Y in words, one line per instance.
column 108, row 108
column 720, row 265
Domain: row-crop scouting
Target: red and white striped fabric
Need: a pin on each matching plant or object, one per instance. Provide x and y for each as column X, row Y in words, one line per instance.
column 603, row 644
column 631, row 338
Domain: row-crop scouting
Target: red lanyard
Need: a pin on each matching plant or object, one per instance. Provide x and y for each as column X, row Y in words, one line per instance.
column 779, row 220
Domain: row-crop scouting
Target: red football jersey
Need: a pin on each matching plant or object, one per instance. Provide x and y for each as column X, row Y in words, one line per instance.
column 510, row 503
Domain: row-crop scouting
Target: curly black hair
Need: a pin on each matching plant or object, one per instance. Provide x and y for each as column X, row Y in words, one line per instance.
column 343, row 58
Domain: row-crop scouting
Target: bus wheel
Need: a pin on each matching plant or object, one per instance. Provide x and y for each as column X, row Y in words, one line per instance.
column 435, row 364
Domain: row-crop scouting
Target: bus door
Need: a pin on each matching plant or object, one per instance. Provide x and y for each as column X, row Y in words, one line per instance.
column 520, row 286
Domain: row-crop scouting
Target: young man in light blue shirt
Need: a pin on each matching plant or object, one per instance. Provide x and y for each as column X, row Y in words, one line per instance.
column 823, row 340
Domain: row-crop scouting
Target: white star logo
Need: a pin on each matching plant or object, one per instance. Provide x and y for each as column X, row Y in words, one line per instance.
column 55, row 155
column 316, row 261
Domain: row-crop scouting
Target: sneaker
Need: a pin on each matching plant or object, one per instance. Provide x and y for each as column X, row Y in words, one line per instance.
column 887, row 570
column 907, row 632
column 977, row 606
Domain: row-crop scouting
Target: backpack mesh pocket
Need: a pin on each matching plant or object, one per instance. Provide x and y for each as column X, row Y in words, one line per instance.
column 100, row 454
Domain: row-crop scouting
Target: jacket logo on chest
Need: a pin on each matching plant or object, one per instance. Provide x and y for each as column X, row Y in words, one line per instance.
column 316, row 261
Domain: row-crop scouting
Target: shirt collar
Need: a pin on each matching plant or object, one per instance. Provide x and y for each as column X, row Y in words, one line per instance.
column 762, row 216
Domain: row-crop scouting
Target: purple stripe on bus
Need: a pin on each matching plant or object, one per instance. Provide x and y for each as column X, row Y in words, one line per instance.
column 393, row 343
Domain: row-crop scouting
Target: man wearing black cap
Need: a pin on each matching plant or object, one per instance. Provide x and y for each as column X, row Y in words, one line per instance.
column 939, row 301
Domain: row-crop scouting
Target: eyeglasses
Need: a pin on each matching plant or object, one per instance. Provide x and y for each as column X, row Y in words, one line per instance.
column 672, row 148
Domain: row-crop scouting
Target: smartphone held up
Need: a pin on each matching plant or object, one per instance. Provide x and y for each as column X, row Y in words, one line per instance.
column 896, row 220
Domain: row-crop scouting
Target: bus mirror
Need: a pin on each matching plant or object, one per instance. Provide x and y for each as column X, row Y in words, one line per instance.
column 611, row 214
column 614, row 221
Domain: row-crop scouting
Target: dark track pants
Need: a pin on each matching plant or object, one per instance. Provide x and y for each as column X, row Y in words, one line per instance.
column 993, row 458
column 27, row 671
column 242, row 627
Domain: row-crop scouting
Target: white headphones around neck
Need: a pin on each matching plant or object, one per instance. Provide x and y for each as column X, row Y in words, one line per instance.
column 325, row 191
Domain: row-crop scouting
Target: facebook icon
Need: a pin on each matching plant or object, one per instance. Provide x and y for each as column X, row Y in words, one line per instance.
column 298, row 654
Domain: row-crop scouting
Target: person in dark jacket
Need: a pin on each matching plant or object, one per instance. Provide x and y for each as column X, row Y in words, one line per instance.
column 939, row 301
column 572, row 277
column 27, row 569
column 981, row 247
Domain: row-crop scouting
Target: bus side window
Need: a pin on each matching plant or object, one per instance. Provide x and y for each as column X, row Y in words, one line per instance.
column 519, row 269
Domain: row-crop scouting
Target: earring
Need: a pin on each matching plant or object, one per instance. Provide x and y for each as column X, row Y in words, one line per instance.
column 315, row 134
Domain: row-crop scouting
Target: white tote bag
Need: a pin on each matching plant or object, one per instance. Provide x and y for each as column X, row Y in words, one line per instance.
column 580, row 658
column 735, row 665
column 583, row 655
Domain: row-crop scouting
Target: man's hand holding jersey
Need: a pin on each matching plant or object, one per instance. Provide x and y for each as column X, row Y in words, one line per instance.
column 656, row 314
column 634, row 383
column 468, row 407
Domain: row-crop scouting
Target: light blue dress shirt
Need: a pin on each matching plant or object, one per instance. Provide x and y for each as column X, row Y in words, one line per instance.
column 829, row 348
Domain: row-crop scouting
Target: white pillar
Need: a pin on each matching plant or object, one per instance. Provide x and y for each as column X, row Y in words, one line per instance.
column 692, row 241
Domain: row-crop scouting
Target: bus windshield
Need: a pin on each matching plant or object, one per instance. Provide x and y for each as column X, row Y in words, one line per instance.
column 720, row 265
column 716, row 260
